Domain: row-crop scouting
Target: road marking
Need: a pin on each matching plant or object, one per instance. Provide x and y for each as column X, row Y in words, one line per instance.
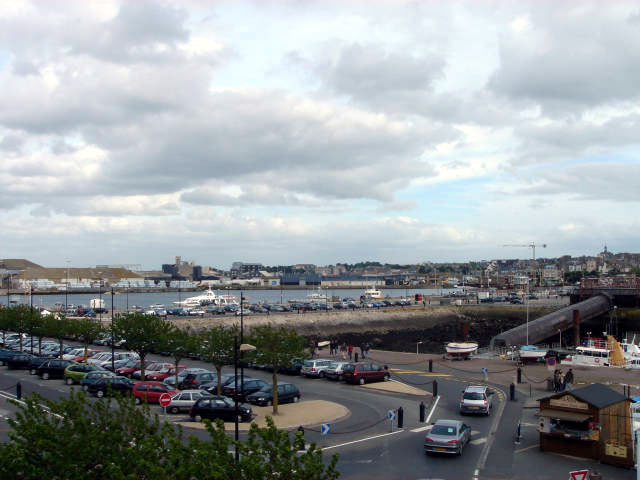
column 422, row 429
column 527, row 448
column 400, row 370
column 361, row 440
column 529, row 424
column 434, row 375
column 433, row 409
column 476, row 472
column 478, row 441
column 474, row 432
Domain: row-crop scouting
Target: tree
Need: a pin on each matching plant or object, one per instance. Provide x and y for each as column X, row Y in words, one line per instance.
column 112, row 439
column 88, row 330
column 58, row 326
column 217, row 347
column 143, row 334
column 6, row 323
column 32, row 323
column 278, row 347
column 19, row 319
column 180, row 342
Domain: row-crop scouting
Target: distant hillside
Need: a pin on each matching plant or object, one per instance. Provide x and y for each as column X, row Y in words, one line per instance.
column 32, row 271
column 17, row 264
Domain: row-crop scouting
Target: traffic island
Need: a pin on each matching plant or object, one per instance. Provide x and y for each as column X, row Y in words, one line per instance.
column 291, row 415
column 393, row 386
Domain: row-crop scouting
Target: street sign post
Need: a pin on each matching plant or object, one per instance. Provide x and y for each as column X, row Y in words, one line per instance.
column 325, row 428
column 579, row 475
column 164, row 401
column 391, row 414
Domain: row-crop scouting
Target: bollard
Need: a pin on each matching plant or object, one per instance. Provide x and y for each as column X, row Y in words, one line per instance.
column 512, row 392
column 423, row 412
column 301, row 430
column 430, row 365
column 435, row 389
column 18, row 390
column 356, row 357
column 519, row 376
column 400, row 417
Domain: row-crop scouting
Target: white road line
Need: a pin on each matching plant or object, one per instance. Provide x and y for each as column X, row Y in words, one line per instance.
column 478, row 441
column 361, row 440
column 475, row 474
column 422, row 429
column 474, row 432
column 433, row 409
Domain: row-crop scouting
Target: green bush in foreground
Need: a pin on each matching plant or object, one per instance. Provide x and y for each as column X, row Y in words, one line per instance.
column 112, row 439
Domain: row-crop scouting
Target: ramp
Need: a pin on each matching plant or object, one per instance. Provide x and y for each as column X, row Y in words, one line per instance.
column 548, row 325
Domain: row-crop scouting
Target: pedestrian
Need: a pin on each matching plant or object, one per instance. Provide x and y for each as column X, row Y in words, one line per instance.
column 361, row 350
column 350, row 349
column 367, row 347
column 556, row 380
column 568, row 380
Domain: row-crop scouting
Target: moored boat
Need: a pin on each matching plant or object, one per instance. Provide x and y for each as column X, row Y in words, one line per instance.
column 598, row 353
column 531, row 353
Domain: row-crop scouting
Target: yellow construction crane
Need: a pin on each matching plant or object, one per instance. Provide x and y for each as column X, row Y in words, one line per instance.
column 533, row 247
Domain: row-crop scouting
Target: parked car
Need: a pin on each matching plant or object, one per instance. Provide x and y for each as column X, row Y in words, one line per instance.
column 128, row 368
column 35, row 363
column 219, row 407
column 171, row 381
column 287, row 392
column 184, row 400
column 5, row 355
column 476, row 399
column 21, row 361
column 110, row 385
column 92, row 377
column 293, row 367
column 249, row 386
column 316, row 367
column 364, row 373
column 196, row 312
column 196, row 380
column 212, row 387
column 335, row 370
column 83, row 358
column 75, row 373
column 160, row 375
column 149, row 369
column 53, row 368
column 150, row 392
column 447, row 436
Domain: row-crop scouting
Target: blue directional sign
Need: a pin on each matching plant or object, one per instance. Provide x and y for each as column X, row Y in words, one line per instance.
column 484, row 370
column 325, row 428
column 391, row 414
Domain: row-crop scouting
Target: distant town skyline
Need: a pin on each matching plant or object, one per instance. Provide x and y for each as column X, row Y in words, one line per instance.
column 317, row 132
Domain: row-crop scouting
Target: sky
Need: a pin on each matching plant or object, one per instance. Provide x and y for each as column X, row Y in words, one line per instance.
column 296, row 131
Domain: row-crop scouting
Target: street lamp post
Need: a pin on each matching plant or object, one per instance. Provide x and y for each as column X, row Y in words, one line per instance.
column 244, row 347
column 66, row 290
column 417, row 346
column 113, row 348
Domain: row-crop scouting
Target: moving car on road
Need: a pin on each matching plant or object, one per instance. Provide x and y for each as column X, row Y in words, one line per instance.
column 476, row 399
column 447, row 436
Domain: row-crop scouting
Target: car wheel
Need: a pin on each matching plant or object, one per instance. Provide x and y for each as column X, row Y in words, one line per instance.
column 33, row 371
column 174, row 410
column 386, row 377
column 269, row 403
column 69, row 381
column 138, row 401
column 240, row 418
column 321, row 375
column 100, row 393
column 339, row 378
column 361, row 381
column 45, row 376
column 296, row 399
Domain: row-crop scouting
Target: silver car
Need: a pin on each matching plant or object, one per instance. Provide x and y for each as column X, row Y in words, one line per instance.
column 335, row 370
column 315, row 368
column 184, row 400
column 476, row 399
column 447, row 436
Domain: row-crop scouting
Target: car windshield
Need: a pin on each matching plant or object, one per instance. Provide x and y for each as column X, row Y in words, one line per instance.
column 267, row 389
column 473, row 396
column 348, row 368
column 334, row 365
column 443, row 430
column 309, row 363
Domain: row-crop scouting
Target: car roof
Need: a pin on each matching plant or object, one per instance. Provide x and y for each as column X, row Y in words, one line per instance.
column 448, row 423
column 475, row 388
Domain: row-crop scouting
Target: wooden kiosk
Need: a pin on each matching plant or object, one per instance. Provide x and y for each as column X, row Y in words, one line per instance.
column 592, row 422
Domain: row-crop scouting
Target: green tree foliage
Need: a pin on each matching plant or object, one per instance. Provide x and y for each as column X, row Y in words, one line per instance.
column 20, row 319
column 87, row 329
column 32, row 322
column 278, row 346
column 112, row 439
column 573, row 277
column 57, row 326
column 216, row 344
column 180, row 342
column 143, row 334
column 6, row 322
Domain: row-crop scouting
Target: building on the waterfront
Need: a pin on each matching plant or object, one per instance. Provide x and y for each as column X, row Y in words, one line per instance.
column 246, row 269
column 355, row 281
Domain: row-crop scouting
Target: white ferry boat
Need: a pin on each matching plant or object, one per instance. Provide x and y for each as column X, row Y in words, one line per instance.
column 373, row 293
column 207, row 298
column 598, row 353
column 461, row 349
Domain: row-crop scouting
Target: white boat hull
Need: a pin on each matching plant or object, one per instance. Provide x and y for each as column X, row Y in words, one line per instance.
column 461, row 348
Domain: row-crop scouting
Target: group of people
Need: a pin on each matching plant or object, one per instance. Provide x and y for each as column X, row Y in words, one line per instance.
column 562, row 381
column 347, row 350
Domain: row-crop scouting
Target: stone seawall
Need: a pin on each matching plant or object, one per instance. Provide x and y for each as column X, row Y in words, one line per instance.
column 396, row 329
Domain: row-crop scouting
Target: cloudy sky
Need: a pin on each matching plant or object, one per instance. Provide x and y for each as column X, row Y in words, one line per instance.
column 317, row 131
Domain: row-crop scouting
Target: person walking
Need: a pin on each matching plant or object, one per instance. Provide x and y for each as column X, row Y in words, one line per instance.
column 556, row 380
column 350, row 349
column 568, row 380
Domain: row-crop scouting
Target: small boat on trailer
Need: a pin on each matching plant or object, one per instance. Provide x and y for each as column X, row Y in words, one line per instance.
column 461, row 350
column 531, row 353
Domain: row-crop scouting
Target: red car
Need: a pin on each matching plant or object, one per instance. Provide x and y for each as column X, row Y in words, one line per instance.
column 364, row 373
column 150, row 392
column 127, row 370
column 82, row 358
column 160, row 375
